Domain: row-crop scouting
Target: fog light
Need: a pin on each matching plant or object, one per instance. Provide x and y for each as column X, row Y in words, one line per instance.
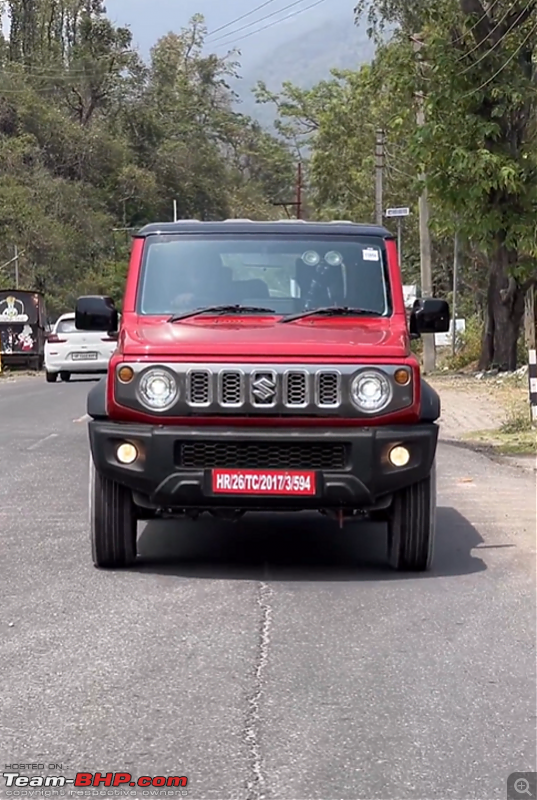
column 399, row 456
column 125, row 374
column 402, row 377
column 126, row 453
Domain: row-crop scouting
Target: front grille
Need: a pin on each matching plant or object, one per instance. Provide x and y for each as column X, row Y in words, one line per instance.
column 261, row 455
column 295, row 391
column 328, row 390
column 231, row 389
column 198, row 388
column 263, row 390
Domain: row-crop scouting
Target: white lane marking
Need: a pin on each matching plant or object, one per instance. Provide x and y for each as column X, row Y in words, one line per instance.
column 37, row 444
column 83, row 418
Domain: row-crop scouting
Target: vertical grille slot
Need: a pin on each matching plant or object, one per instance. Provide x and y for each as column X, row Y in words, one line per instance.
column 295, row 390
column 198, row 388
column 231, row 385
column 328, row 389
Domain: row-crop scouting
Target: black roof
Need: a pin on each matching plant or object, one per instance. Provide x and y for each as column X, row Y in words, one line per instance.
column 338, row 227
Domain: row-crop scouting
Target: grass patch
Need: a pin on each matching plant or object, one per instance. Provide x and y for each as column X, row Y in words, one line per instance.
column 507, row 443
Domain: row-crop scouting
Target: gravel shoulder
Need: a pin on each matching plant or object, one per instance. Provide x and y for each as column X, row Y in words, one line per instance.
column 490, row 415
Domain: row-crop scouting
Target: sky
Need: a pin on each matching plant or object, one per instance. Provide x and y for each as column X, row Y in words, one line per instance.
column 150, row 19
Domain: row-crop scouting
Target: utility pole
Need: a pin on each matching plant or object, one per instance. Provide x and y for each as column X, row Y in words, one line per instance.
column 297, row 202
column 175, row 210
column 379, row 174
column 429, row 349
column 16, row 259
column 455, row 286
column 299, row 191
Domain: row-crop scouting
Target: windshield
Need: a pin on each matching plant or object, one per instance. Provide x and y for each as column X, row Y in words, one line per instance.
column 286, row 274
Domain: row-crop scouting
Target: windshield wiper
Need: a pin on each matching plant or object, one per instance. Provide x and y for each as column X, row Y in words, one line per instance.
column 334, row 311
column 237, row 309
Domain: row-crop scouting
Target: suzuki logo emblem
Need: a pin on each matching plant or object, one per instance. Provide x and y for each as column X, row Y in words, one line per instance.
column 264, row 388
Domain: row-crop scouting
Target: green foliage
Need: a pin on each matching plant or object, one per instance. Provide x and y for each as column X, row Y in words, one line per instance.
column 474, row 150
column 468, row 345
column 93, row 142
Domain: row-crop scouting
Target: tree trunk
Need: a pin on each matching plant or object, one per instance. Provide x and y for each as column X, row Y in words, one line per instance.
column 505, row 310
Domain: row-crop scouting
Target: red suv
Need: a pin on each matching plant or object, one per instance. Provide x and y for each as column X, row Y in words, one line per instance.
column 263, row 366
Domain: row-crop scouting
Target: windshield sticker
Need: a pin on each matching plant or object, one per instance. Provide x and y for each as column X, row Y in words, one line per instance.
column 370, row 254
column 12, row 310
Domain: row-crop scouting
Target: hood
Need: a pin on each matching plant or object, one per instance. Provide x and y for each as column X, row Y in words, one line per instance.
column 246, row 338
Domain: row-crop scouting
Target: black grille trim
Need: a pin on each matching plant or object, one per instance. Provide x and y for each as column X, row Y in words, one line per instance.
column 262, row 455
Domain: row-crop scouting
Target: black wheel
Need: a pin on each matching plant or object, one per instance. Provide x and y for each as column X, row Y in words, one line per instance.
column 65, row 376
column 113, row 522
column 412, row 526
column 51, row 377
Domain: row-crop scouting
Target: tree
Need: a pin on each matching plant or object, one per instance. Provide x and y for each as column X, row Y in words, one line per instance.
column 478, row 146
column 93, row 140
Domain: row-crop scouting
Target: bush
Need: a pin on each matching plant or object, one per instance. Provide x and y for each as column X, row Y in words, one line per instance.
column 468, row 345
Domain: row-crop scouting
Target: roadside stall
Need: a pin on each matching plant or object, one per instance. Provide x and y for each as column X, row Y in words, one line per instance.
column 23, row 328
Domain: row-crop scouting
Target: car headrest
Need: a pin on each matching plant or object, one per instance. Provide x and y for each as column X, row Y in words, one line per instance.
column 253, row 288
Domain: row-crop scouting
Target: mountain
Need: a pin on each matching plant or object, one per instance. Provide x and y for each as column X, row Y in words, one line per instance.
column 294, row 43
column 305, row 60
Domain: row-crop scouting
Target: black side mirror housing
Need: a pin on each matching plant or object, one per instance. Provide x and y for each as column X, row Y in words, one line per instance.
column 429, row 315
column 96, row 313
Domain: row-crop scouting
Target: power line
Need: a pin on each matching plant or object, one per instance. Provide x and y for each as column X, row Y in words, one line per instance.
column 475, row 25
column 239, row 19
column 495, row 28
column 249, row 24
column 276, row 22
column 501, row 69
column 495, row 45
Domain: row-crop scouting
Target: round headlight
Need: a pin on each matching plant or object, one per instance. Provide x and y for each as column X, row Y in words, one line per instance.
column 158, row 389
column 333, row 258
column 371, row 392
column 311, row 258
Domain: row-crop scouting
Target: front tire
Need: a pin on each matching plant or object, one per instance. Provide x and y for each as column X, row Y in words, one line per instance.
column 113, row 522
column 412, row 526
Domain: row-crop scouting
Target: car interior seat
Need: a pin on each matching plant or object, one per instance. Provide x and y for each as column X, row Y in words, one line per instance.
column 253, row 289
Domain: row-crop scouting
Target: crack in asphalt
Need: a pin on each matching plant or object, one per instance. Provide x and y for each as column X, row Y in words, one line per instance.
column 256, row 785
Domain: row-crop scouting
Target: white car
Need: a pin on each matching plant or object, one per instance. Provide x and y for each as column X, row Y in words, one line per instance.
column 69, row 351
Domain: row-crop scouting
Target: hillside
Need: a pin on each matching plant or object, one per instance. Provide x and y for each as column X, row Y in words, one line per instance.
column 302, row 46
column 305, row 60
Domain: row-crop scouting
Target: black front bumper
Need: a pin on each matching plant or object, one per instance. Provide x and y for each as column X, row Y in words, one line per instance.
column 174, row 470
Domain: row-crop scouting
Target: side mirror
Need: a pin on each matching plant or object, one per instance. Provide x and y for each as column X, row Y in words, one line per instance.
column 429, row 316
column 96, row 313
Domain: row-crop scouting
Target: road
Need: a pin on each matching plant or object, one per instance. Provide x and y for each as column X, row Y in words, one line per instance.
column 278, row 658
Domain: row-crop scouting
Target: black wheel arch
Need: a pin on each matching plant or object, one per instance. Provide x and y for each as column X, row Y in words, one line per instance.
column 430, row 403
column 96, row 402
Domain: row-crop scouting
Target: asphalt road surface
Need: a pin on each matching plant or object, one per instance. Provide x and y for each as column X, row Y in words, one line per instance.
column 278, row 658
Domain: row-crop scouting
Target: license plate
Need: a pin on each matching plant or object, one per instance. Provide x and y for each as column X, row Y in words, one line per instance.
column 277, row 482
column 85, row 356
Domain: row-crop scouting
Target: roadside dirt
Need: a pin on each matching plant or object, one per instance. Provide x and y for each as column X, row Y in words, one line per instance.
column 491, row 415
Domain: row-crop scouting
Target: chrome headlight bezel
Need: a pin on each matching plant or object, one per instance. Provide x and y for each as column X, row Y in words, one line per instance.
column 384, row 383
column 155, row 373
